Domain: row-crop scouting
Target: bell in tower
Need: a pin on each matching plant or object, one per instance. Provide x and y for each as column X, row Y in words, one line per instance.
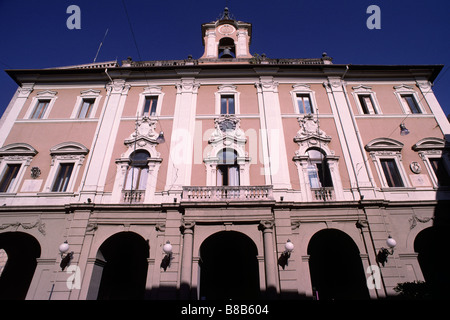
column 226, row 38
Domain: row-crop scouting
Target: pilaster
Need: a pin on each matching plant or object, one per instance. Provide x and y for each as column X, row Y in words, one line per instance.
column 272, row 135
column 103, row 144
column 12, row 111
column 347, row 132
column 182, row 140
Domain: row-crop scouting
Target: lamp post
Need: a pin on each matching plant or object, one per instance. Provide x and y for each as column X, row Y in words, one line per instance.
column 286, row 254
column 63, row 248
column 383, row 253
column 167, row 248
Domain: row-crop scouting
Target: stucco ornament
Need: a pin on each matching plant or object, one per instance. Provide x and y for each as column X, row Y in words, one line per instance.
column 145, row 137
column 310, row 135
column 227, row 128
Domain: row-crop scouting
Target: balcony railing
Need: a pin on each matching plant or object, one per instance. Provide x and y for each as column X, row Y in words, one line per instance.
column 227, row 193
column 323, row 194
column 133, row 196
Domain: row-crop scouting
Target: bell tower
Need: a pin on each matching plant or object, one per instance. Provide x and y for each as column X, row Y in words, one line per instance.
column 226, row 38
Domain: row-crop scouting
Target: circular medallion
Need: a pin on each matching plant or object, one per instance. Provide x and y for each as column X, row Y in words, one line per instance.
column 226, row 29
column 415, row 167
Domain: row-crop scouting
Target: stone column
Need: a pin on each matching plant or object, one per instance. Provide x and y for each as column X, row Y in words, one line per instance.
column 266, row 226
column 186, row 264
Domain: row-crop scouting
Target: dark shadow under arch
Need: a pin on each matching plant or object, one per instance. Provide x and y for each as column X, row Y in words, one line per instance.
column 336, row 268
column 229, row 267
column 431, row 244
column 22, row 250
column 125, row 272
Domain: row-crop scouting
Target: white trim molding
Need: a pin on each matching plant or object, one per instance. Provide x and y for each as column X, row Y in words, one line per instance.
column 143, row 138
column 311, row 137
column 230, row 90
column 150, row 91
column 66, row 152
column 42, row 95
column 432, row 148
column 366, row 90
column 387, row 148
column 404, row 89
column 303, row 88
column 86, row 94
column 227, row 134
column 16, row 153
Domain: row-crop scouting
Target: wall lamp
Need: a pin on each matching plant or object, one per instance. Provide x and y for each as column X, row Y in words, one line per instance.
column 63, row 248
column 160, row 138
column 167, row 248
column 286, row 254
column 383, row 253
column 403, row 130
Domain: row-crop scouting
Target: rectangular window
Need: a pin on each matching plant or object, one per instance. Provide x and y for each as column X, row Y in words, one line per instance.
column 366, row 104
column 439, row 170
column 86, row 108
column 136, row 178
column 319, row 175
column 39, row 110
column 227, row 104
column 228, row 175
column 9, row 177
column 391, row 173
column 150, row 106
column 63, row 177
column 411, row 103
column 304, row 104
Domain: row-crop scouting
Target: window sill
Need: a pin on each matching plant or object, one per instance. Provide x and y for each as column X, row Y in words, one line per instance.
column 8, row 194
column 56, row 194
column 400, row 189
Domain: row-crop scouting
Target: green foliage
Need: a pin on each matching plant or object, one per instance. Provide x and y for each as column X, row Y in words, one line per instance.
column 417, row 290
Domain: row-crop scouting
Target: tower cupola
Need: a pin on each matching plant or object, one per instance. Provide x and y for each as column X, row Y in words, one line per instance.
column 226, row 38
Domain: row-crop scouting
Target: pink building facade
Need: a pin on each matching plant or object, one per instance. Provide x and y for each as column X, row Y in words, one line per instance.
column 228, row 158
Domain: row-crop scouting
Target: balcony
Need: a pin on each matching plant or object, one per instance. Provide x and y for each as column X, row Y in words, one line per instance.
column 133, row 196
column 227, row 193
column 323, row 194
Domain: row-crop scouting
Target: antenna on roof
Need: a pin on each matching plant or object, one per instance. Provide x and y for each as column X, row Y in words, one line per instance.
column 101, row 43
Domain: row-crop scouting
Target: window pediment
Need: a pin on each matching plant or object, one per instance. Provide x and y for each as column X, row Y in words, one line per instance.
column 384, row 144
column 22, row 149
column 430, row 143
column 73, row 148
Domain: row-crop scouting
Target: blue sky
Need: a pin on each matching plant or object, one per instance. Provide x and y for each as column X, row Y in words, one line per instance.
column 34, row 33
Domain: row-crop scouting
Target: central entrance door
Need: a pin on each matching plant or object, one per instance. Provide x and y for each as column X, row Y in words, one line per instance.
column 229, row 267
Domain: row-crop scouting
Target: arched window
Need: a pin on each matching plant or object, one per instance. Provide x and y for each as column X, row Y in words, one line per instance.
column 136, row 178
column 227, row 168
column 318, row 170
